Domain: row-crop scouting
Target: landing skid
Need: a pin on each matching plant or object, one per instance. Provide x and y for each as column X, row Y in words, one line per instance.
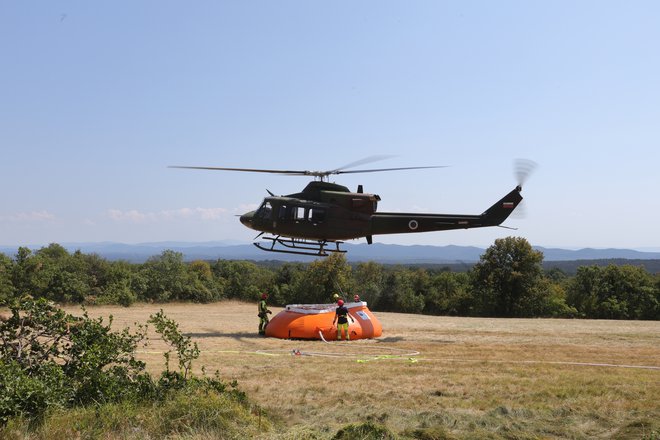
column 296, row 246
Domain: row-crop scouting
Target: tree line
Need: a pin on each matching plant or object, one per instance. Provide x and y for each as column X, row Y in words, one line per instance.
column 508, row 281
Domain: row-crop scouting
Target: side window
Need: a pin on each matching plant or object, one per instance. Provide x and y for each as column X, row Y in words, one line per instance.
column 299, row 213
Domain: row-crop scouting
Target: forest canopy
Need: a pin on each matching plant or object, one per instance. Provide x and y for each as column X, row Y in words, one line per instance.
column 508, row 281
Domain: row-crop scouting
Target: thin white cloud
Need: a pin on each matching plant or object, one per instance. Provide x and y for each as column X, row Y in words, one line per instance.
column 32, row 216
column 135, row 216
column 130, row 216
column 211, row 213
column 246, row 207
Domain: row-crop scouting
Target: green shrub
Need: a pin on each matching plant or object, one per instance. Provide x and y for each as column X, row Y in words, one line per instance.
column 51, row 360
column 30, row 394
column 186, row 350
column 117, row 293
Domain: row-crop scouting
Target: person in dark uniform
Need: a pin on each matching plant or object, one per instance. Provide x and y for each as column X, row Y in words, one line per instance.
column 263, row 314
column 341, row 318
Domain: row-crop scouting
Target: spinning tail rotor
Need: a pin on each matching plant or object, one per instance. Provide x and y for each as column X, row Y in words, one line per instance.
column 522, row 170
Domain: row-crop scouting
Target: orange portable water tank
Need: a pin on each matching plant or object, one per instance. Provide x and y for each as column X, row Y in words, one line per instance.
column 314, row 321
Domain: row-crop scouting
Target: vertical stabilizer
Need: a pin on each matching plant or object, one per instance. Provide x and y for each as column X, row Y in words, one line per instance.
column 499, row 212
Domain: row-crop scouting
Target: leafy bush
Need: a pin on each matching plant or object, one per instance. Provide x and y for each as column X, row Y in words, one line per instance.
column 30, row 393
column 614, row 292
column 186, row 350
column 117, row 293
column 52, row 360
column 6, row 283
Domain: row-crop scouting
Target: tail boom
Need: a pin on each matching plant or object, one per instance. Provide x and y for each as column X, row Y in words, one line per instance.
column 398, row 223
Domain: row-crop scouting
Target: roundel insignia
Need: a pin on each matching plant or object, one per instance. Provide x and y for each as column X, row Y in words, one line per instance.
column 412, row 224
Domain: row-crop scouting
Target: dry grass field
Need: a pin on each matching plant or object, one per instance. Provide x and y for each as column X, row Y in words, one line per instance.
column 433, row 376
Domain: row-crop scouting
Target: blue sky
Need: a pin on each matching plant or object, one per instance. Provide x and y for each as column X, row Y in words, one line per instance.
column 98, row 98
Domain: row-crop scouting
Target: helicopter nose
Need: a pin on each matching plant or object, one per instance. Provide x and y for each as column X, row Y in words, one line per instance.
column 246, row 219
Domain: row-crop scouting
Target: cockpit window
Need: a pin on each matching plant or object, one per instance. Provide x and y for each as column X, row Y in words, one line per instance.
column 264, row 210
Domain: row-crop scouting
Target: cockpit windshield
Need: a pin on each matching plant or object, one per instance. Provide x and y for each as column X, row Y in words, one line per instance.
column 265, row 210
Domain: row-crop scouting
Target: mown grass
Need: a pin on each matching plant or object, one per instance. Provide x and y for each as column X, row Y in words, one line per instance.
column 473, row 379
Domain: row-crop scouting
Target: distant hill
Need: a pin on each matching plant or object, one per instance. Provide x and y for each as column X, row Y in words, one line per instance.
column 570, row 267
column 453, row 256
column 551, row 254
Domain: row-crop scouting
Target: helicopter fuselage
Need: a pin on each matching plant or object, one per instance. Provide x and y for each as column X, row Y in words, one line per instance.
column 326, row 213
column 329, row 212
column 322, row 211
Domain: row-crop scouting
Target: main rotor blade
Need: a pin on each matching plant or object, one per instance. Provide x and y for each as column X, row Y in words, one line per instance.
column 389, row 169
column 250, row 170
column 369, row 159
column 321, row 174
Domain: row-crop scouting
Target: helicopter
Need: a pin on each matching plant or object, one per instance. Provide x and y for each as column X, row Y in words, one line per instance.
column 321, row 217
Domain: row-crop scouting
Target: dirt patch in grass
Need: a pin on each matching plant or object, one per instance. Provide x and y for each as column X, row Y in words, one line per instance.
column 466, row 377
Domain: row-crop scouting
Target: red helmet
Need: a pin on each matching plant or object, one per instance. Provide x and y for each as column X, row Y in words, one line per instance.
column 264, row 295
column 340, row 302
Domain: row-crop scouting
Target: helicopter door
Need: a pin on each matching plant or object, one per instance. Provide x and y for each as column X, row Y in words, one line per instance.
column 282, row 213
column 287, row 213
column 318, row 215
